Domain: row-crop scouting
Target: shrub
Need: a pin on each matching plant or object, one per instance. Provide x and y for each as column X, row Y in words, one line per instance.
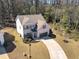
column 55, row 27
column 67, row 31
column 76, row 39
column 66, row 41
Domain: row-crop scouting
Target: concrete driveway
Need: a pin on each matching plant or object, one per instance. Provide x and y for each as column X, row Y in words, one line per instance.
column 3, row 54
column 55, row 51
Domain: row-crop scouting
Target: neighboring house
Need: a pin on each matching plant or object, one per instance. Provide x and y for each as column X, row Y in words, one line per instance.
column 33, row 25
column 1, row 38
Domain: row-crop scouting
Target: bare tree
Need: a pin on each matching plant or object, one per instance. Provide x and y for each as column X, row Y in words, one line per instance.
column 2, row 11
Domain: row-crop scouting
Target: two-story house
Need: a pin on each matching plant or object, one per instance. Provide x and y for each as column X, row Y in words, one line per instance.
column 34, row 25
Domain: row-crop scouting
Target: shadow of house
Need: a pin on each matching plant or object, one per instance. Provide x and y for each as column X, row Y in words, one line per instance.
column 51, row 34
column 2, row 50
column 9, row 45
column 30, row 40
column 34, row 41
column 8, row 37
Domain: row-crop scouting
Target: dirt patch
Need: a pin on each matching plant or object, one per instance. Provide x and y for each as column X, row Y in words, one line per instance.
column 71, row 48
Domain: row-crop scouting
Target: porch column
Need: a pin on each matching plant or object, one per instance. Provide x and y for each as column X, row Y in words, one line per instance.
column 38, row 34
column 48, row 32
column 33, row 35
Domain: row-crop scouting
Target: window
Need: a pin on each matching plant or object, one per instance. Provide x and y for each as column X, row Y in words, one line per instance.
column 32, row 26
column 44, row 26
column 27, row 27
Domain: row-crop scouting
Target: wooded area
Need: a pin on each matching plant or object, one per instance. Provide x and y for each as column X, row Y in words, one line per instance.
column 65, row 16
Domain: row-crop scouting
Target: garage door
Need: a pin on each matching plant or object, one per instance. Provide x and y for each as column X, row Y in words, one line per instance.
column 43, row 34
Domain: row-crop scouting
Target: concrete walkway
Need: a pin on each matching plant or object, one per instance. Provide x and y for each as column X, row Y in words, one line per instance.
column 55, row 51
column 3, row 54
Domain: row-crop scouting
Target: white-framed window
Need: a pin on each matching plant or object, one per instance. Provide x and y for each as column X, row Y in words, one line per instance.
column 27, row 27
column 32, row 26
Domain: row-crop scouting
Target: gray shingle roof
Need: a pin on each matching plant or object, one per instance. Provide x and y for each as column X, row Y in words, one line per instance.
column 29, row 18
column 38, row 18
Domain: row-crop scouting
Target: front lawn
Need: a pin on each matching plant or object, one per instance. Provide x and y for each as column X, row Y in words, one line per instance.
column 21, row 50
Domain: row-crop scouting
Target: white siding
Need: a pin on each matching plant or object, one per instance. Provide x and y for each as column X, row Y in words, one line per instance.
column 42, row 30
column 21, row 30
column 1, row 38
column 19, row 27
